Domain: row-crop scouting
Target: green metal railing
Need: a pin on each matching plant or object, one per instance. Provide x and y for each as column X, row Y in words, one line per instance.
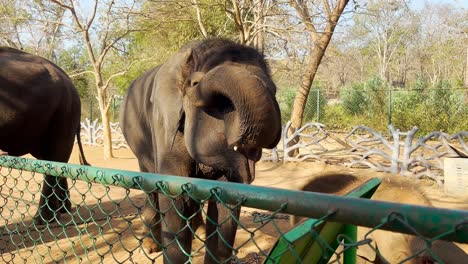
column 105, row 223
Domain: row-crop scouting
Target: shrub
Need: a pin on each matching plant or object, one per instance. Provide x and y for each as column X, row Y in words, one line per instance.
column 368, row 99
column 355, row 101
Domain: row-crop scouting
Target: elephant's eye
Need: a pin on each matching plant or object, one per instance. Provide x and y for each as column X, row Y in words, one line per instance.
column 194, row 83
column 195, row 78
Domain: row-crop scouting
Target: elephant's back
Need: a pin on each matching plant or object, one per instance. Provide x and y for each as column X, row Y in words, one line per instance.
column 33, row 91
column 26, row 72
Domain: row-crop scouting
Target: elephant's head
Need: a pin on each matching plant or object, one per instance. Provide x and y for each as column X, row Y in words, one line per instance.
column 230, row 114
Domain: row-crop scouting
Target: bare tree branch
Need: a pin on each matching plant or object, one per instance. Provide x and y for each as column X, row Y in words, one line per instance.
column 199, row 18
column 303, row 11
column 91, row 19
column 73, row 75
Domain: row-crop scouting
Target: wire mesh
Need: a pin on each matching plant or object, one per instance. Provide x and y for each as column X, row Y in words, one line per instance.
column 430, row 109
column 105, row 225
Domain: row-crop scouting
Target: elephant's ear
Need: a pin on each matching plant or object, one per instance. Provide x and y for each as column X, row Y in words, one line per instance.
column 174, row 71
column 167, row 94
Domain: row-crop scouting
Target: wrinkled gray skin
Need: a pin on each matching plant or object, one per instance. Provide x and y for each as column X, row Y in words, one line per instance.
column 207, row 112
column 40, row 115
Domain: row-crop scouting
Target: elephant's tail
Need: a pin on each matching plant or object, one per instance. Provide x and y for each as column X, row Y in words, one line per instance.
column 82, row 157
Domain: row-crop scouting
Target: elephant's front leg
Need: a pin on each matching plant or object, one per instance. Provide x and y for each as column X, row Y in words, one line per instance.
column 152, row 222
column 220, row 237
column 175, row 232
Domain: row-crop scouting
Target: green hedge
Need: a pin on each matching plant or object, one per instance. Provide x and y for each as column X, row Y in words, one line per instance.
column 440, row 107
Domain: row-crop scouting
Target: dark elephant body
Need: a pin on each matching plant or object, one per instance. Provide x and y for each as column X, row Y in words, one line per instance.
column 39, row 114
column 207, row 112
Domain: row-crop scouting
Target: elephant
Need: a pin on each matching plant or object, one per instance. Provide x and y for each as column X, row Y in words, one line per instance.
column 206, row 112
column 392, row 247
column 40, row 113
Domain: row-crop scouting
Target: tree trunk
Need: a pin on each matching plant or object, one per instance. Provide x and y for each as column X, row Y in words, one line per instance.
column 107, row 136
column 321, row 41
column 303, row 92
column 260, row 18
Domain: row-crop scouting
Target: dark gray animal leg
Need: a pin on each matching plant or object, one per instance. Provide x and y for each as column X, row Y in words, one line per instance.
column 54, row 200
column 151, row 215
column 176, row 234
column 57, row 146
column 220, row 237
column 152, row 222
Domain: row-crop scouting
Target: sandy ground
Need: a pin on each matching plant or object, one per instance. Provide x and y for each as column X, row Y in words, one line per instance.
column 115, row 239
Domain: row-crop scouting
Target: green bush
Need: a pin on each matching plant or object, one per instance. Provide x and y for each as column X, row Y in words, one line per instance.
column 446, row 107
column 437, row 108
column 408, row 108
column 355, row 100
column 367, row 98
column 430, row 108
column 338, row 118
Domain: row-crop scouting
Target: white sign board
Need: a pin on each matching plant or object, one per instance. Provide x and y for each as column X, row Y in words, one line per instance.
column 456, row 176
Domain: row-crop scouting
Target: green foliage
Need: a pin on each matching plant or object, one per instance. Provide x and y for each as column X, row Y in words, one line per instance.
column 365, row 98
column 447, row 106
column 407, row 107
column 430, row 108
column 338, row 118
column 355, row 99
column 316, row 97
column 171, row 26
column 74, row 60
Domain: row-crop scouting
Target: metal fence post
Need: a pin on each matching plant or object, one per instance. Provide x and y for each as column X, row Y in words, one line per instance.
column 349, row 256
column 113, row 109
column 91, row 109
column 389, row 106
column 318, row 106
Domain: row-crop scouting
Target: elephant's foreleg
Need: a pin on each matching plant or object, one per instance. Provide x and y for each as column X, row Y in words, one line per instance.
column 152, row 222
column 55, row 199
column 175, row 232
column 220, row 236
column 63, row 195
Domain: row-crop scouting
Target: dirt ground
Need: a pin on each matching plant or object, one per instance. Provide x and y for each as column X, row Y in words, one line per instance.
column 116, row 238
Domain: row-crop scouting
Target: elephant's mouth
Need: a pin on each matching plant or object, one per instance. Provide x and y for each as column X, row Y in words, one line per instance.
column 243, row 174
column 236, row 164
column 251, row 155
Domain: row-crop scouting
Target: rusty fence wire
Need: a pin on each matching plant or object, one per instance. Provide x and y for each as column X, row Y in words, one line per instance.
column 104, row 223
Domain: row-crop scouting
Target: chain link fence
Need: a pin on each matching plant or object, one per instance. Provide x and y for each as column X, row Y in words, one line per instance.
column 90, row 108
column 104, row 222
column 428, row 109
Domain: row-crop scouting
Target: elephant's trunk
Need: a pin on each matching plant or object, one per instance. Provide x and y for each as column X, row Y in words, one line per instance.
column 245, row 100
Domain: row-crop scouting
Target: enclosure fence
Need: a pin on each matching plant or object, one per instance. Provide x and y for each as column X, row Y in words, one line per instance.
column 104, row 224
column 429, row 109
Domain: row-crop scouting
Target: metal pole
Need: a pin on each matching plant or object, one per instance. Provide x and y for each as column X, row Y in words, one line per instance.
column 318, row 106
column 389, row 107
column 113, row 109
column 350, row 253
column 451, row 225
column 91, row 110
